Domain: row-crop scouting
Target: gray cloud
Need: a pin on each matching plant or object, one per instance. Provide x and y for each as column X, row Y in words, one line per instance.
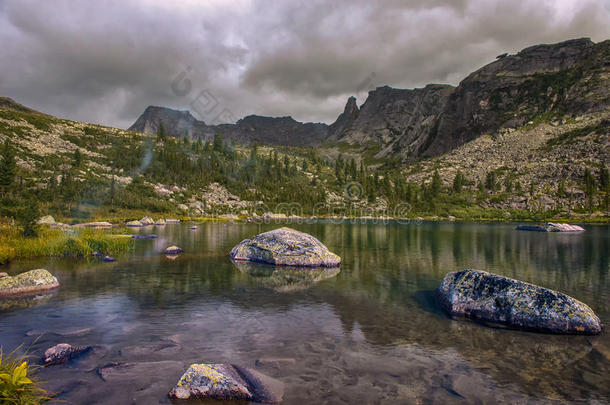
column 106, row 61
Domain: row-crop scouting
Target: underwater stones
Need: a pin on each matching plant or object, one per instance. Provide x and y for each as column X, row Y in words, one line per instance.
column 173, row 250
column 109, row 259
column 285, row 246
column 551, row 227
column 193, row 228
column 63, row 352
column 227, row 381
column 503, row 302
column 32, row 281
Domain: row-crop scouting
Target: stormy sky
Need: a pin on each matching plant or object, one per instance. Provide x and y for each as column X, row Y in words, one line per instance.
column 105, row 61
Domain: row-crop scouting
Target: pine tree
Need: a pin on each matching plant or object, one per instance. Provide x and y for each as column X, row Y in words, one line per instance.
column 561, row 188
column 436, row 184
column 590, row 188
column 490, row 181
column 8, row 166
column 218, row 143
column 28, row 218
column 458, row 182
column 77, row 158
column 161, row 134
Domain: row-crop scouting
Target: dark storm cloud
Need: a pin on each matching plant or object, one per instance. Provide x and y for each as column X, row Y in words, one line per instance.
column 106, row 61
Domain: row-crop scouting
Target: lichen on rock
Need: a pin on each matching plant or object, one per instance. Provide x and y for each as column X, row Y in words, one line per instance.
column 226, row 381
column 500, row 301
column 285, row 246
column 32, row 281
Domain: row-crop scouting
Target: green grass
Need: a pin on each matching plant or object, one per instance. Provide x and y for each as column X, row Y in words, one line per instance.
column 55, row 242
column 17, row 382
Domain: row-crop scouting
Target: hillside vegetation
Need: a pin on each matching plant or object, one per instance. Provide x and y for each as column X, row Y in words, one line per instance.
column 78, row 171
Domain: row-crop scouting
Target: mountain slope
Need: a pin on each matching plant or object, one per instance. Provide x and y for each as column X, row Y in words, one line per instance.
column 540, row 82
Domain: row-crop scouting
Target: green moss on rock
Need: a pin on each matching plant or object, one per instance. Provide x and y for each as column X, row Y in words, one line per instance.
column 29, row 282
column 502, row 301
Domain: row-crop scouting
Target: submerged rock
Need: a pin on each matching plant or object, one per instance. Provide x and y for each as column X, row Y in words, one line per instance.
column 285, row 246
column 227, row 381
column 109, row 259
column 63, row 352
column 173, row 250
column 551, row 227
column 32, row 281
column 500, row 301
column 137, row 236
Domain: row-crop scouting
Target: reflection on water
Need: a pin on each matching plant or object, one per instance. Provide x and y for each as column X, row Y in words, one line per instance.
column 371, row 332
column 285, row 278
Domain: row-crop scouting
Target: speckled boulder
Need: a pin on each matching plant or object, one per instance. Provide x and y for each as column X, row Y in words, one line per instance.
column 503, row 302
column 285, row 246
column 228, row 382
column 62, row 353
column 32, row 281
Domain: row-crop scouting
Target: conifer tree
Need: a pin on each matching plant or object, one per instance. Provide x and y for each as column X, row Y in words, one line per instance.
column 8, row 166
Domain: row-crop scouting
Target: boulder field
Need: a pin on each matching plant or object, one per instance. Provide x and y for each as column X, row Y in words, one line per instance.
column 285, row 246
column 504, row 302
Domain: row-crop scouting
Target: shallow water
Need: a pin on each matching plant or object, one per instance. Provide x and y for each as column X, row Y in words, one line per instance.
column 371, row 333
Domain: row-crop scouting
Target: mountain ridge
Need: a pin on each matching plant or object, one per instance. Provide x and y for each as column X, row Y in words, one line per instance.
column 410, row 124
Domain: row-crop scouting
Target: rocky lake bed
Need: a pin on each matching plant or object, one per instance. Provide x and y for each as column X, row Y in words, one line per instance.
column 152, row 322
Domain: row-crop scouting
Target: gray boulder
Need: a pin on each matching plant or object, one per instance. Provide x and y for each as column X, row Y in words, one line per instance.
column 285, row 246
column 503, row 302
column 228, row 382
column 147, row 221
column 551, row 227
column 30, row 282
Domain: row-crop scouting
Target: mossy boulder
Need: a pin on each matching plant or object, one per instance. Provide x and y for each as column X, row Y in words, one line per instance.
column 227, row 382
column 285, row 246
column 32, row 281
column 503, row 302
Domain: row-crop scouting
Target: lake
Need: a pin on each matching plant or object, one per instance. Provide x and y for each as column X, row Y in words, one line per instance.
column 371, row 333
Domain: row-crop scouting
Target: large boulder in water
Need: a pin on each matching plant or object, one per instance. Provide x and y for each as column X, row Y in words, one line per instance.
column 227, row 381
column 30, row 282
column 285, row 246
column 500, row 301
column 551, row 227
